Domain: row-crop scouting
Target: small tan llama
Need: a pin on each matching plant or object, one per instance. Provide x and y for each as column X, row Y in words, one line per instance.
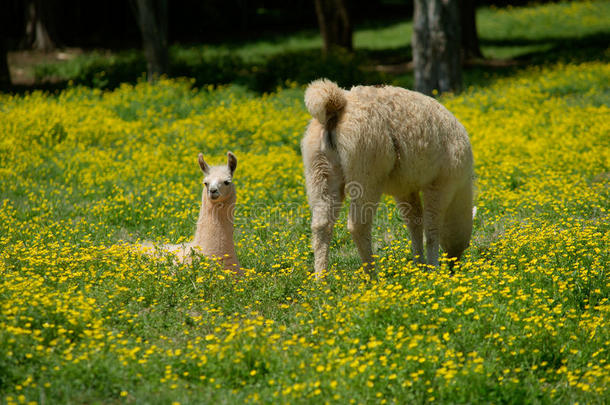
column 214, row 234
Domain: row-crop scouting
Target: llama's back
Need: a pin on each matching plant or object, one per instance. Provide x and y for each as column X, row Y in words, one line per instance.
column 404, row 133
column 388, row 135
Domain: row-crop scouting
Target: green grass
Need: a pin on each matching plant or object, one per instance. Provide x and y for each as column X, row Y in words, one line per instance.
column 522, row 32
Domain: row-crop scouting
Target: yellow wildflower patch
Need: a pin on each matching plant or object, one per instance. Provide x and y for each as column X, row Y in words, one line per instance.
column 83, row 318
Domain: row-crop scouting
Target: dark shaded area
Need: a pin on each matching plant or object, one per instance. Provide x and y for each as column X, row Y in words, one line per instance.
column 294, row 66
column 469, row 33
column 206, row 22
column 575, row 50
column 585, row 48
column 361, row 67
column 112, row 24
column 334, row 20
column 152, row 20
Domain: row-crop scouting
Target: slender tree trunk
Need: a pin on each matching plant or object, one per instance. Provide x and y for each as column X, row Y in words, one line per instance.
column 335, row 24
column 39, row 25
column 424, row 70
column 470, row 37
column 152, row 20
column 5, row 75
column 436, row 46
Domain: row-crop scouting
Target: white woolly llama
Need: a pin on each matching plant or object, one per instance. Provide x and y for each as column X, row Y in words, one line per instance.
column 374, row 140
column 214, row 234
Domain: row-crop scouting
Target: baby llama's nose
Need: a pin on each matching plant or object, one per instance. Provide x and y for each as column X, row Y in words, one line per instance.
column 214, row 193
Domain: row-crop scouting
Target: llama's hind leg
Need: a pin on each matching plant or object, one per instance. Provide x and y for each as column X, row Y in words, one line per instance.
column 325, row 195
column 360, row 220
column 410, row 209
column 457, row 225
column 324, row 215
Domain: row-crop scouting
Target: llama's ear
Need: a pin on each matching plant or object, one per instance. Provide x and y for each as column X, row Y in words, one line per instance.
column 232, row 162
column 204, row 166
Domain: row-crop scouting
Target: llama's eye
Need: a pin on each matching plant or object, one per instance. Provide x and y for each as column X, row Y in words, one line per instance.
column 227, row 182
column 205, row 183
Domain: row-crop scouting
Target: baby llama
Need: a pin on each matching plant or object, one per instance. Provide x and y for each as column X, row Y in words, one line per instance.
column 214, row 234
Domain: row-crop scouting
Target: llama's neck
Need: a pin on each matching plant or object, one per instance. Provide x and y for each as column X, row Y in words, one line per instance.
column 214, row 234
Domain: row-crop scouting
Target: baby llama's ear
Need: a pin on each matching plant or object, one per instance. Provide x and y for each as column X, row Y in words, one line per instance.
column 232, row 162
column 204, row 166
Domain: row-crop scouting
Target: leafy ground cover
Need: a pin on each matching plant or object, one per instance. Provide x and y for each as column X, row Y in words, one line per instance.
column 83, row 319
column 536, row 34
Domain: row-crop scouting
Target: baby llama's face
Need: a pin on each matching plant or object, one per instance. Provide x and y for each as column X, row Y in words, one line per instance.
column 218, row 183
column 218, row 180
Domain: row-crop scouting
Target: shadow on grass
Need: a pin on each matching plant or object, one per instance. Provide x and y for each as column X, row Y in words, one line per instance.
column 581, row 49
column 365, row 66
column 568, row 50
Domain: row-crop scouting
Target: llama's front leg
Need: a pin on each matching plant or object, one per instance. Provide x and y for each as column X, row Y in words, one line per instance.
column 435, row 204
column 359, row 223
column 432, row 223
column 410, row 209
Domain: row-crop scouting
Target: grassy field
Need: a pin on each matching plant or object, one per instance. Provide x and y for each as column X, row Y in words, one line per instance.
column 84, row 173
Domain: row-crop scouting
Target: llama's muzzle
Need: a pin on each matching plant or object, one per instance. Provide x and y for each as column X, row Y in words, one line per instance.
column 214, row 194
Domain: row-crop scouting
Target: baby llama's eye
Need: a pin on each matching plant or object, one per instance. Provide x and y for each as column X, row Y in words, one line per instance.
column 205, row 183
column 227, row 182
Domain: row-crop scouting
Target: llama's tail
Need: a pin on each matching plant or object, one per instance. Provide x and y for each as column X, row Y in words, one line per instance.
column 324, row 101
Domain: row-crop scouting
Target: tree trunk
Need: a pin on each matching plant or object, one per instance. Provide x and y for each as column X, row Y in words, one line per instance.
column 152, row 20
column 38, row 26
column 436, row 46
column 470, row 37
column 5, row 75
column 335, row 24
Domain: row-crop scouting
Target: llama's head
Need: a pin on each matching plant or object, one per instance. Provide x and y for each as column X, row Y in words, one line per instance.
column 218, row 180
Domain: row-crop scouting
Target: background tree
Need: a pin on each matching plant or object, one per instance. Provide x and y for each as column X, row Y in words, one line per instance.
column 436, row 46
column 152, row 20
column 5, row 76
column 335, row 24
column 468, row 25
column 39, row 27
